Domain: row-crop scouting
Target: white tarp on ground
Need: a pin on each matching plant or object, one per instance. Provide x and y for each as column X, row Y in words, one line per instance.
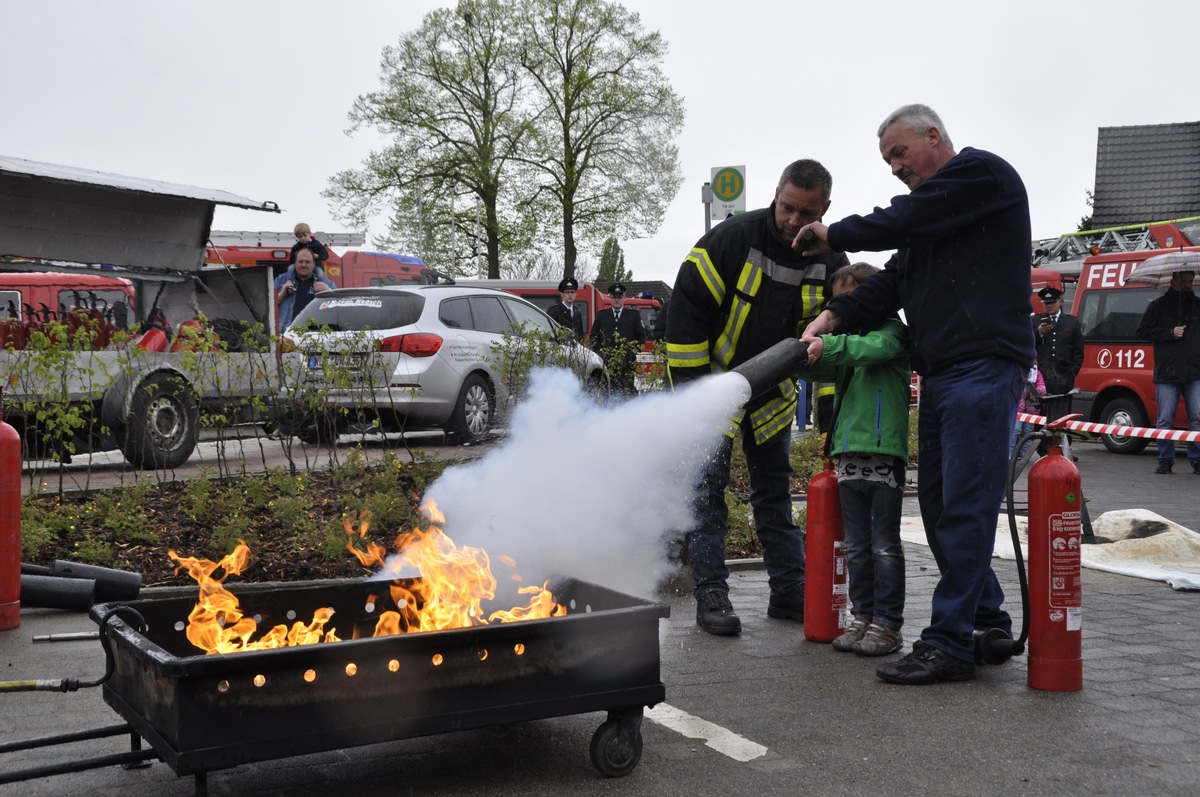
column 1143, row 545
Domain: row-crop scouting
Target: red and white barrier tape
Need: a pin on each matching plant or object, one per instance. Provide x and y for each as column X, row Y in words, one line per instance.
column 1177, row 435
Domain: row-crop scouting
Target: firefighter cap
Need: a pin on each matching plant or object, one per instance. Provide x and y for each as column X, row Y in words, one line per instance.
column 1049, row 294
column 568, row 285
column 616, row 289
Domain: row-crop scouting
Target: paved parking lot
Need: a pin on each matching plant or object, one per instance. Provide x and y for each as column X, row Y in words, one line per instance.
column 769, row 712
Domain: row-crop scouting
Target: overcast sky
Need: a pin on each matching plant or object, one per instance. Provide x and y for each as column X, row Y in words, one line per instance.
column 251, row 96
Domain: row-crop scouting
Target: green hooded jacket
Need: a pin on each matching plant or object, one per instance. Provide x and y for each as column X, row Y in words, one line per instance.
column 873, row 414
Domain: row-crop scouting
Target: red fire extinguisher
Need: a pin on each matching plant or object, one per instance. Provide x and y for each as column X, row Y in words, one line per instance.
column 10, row 527
column 825, row 588
column 1055, row 580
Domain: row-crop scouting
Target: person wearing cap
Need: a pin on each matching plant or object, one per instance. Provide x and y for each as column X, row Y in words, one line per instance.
column 742, row 289
column 1059, row 345
column 565, row 312
column 617, row 336
column 1172, row 323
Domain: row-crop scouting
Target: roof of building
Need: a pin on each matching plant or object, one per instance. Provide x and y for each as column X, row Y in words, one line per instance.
column 1146, row 172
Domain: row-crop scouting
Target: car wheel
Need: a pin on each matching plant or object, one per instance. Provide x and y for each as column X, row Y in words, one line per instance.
column 1124, row 412
column 473, row 414
column 162, row 429
column 318, row 428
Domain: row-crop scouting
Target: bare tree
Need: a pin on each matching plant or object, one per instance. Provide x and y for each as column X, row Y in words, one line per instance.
column 606, row 120
column 451, row 105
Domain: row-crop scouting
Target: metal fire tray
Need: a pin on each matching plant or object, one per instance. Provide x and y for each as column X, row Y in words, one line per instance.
column 206, row 712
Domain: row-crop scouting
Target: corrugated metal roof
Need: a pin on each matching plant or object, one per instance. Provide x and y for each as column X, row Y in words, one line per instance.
column 72, row 174
column 1145, row 173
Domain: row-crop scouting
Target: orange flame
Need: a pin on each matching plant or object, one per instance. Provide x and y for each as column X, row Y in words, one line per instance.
column 453, row 583
column 216, row 624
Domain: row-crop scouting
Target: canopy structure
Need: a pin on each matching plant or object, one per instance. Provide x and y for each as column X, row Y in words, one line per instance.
column 63, row 213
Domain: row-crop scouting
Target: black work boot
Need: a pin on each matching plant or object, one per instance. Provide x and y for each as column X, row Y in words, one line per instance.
column 1164, row 466
column 788, row 606
column 714, row 613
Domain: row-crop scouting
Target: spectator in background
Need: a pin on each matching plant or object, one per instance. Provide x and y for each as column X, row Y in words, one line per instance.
column 1031, row 403
column 1059, row 345
column 305, row 240
column 1172, row 323
column 617, row 336
column 565, row 312
column 297, row 286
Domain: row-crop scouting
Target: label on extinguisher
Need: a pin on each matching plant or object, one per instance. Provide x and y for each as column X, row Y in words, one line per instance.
column 1066, row 588
column 841, row 589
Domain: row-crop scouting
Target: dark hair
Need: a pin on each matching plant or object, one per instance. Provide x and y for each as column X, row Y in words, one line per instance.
column 807, row 174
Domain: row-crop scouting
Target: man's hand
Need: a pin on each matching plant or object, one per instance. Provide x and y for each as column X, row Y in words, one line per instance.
column 818, row 247
column 825, row 323
column 320, row 287
column 1178, row 331
column 286, row 289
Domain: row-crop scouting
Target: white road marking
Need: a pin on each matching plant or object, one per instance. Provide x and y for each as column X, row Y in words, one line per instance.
column 720, row 739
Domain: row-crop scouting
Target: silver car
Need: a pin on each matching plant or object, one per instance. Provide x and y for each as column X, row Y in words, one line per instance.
column 412, row 357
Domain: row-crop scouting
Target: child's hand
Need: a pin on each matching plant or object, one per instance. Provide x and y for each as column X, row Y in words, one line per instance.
column 816, row 346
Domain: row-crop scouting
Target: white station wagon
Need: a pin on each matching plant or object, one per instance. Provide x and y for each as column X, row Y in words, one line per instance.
column 414, row 357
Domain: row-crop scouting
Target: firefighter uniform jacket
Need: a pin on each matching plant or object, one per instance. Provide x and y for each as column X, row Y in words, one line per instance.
column 571, row 319
column 740, row 291
column 618, row 341
column 1059, row 353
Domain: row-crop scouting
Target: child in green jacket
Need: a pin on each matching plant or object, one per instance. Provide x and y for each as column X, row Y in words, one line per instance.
column 870, row 441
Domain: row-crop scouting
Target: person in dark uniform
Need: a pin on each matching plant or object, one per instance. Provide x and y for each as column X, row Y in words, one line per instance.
column 617, row 336
column 565, row 312
column 1059, row 346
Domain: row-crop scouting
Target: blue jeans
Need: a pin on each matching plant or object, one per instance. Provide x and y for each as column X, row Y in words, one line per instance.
column 771, row 499
column 1167, row 395
column 874, row 554
column 964, row 427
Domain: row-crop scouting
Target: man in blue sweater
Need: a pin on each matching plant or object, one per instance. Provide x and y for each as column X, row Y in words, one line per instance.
column 961, row 274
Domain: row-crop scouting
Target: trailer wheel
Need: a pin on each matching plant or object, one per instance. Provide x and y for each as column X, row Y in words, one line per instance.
column 163, row 423
column 473, row 414
column 1124, row 412
column 615, row 754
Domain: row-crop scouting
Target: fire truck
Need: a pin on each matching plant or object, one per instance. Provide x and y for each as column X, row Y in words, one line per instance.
column 1115, row 383
column 346, row 270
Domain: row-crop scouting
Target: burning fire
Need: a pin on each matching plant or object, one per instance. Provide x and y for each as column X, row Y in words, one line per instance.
column 454, row 581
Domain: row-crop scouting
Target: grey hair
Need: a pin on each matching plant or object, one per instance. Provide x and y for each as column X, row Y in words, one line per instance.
column 917, row 118
column 807, row 174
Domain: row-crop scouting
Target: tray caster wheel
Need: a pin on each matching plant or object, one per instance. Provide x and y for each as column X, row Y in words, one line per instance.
column 617, row 747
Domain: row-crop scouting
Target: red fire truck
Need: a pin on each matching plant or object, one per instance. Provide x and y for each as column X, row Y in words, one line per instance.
column 1116, row 382
column 346, row 270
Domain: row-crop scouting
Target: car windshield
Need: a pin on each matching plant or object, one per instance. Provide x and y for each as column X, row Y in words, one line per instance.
column 356, row 311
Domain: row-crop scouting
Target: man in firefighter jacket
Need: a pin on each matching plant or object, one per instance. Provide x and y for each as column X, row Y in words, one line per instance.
column 617, row 336
column 741, row 290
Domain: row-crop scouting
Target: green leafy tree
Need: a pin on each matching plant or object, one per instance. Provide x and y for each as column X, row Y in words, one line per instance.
column 605, row 121
column 612, row 263
column 451, row 106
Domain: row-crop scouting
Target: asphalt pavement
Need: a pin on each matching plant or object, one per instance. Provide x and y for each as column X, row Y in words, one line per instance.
column 763, row 713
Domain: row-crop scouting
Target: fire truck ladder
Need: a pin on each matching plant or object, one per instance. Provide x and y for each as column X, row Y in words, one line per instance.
column 286, row 239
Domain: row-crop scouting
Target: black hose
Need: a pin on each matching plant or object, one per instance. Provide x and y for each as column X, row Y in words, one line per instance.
column 74, row 684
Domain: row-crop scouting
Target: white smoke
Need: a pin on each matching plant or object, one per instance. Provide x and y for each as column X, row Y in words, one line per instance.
column 589, row 491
